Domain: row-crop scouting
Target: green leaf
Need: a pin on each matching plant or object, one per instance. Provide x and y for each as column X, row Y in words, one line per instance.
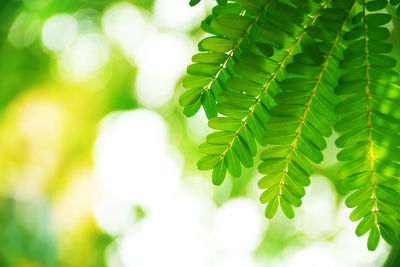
column 236, row 99
column 194, row 2
column 274, row 34
column 284, row 123
column 191, row 109
column 244, row 85
column 224, row 30
column 389, row 235
column 262, row 63
column 202, row 68
column 376, row 5
column 288, row 110
column 309, row 133
column 389, row 221
column 251, row 73
column 382, row 61
column 208, row 162
column 354, row 33
column 208, row 101
column 295, row 187
column 271, row 208
column 256, row 128
column 216, row 44
column 275, row 152
column 220, row 138
column 210, row 58
column 303, row 5
column 389, row 209
column 190, row 96
column 196, row 81
column 362, row 210
column 228, row 8
column 355, row 181
column 278, row 138
column 359, row 196
column 287, row 195
column 211, row 149
column 266, row 49
column 312, row 152
column 231, row 25
column 233, row 163
column 269, row 194
column 286, row 208
column 366, row 224
column 301, row 161
column 297, row 173
column 243, row 152
column 224, row 124
column 222, row 2
column 231, row 112
column 378, row 34
column 320, row 124
column 373, row 238
column 292, row 98
column 298, row 84
column 272, row 166
column 218, row 173
column 253, row 7
column 378, row 19
column 389, row 195
column 303, row 69
column 357, row 18
column 269, row 180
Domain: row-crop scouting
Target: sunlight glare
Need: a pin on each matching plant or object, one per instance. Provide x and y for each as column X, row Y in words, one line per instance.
column 87, row 55
column 59, row 31
column 177, row 14
column 124, row 24
column 238, row 225
column 316, row 218
column 161, row 59
column 132, row 158
column 182, row 239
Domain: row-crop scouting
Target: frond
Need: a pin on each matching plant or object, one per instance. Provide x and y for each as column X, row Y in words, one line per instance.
column 370, row 126
column 246, row 106
column 301, row 119
column 207, row 77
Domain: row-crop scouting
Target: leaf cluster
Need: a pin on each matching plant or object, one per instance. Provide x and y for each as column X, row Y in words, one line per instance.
column 283, row 74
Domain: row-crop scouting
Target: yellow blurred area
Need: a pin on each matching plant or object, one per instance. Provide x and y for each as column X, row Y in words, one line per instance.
column 45, row 132
column 46, row 138
column 82, row 245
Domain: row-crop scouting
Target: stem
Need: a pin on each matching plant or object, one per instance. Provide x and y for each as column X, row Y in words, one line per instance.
column 371, row 155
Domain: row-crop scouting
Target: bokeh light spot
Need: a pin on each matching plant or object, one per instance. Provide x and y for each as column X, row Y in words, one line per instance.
column 24, row 30
column 87, row 55
column 59, row 31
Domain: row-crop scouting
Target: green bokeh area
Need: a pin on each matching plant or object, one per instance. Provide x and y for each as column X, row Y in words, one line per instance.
column 26, row 234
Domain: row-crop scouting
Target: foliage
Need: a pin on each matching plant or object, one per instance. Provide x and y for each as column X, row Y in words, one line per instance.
column 280, row 73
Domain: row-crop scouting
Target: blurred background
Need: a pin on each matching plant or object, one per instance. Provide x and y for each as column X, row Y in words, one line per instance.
column 98, row 164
